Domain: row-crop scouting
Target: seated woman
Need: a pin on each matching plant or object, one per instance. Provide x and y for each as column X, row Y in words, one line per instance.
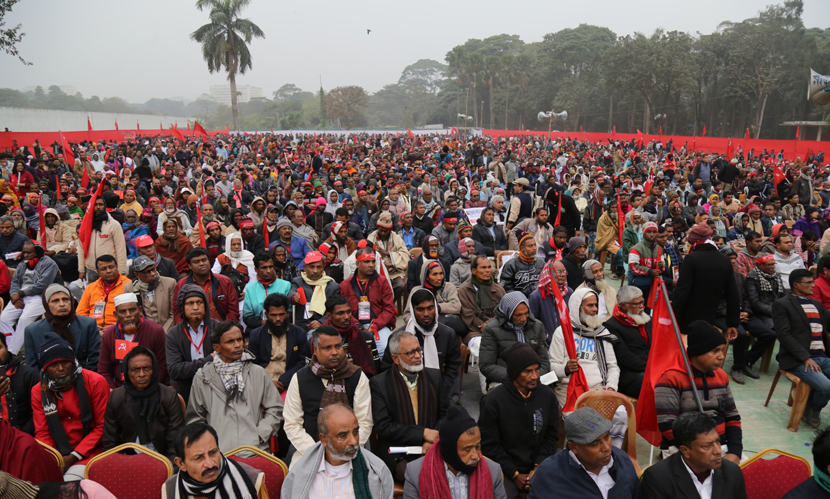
column 143, row 410
column 446, row 294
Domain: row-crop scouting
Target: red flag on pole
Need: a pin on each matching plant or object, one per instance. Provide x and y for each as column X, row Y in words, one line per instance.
column 661, row 129
column 665, row 354
column 176, row 133
column 704, row 131
column 620, row 221
column 88, row 127
column 161, row 127
column 649, row 182
column 577, row 384
column 747, row 133
column 199, row 129
column 265, row 229
column 68, row 155
column 137, row 126
column 615, row 129
column 778, row 176
column 85, row 233
column 58, row 189
column 201, row 225
column 580, row 128
column 41, row 221
column 409, row 132
column 116, row 125
column 797, row 132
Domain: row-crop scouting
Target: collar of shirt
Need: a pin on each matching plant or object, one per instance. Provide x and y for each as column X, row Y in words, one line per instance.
column 337, row 471
column 595, row 476
column 704, row 489
column 411, row 384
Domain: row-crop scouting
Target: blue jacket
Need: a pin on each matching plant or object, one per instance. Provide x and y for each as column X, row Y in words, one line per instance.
column 45, row 272
column 130, row 236
column 561, row 477
column 299, row 248
column 296, row 349
column 87, row 341
column 255, row 294
column 12, row 245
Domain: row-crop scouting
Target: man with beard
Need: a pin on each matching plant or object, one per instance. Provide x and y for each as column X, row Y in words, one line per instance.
column 279, row 346
column 644, row 260
column 174, row 245
column 79, row 331
column 132, row 329
column 594, row 347
column 370, row 298
column 520, row 419
column 591, row 467
column 26, row 304
column 490, row 235
column 256, row 292
column 543, row 300
column 393, row 252
column 222, row 211
column 188, row 345
column 522, row 273
column 208, row 216
column 251, row 241
column 69, row 406
column 234, row 395
column 296, row 247
column 337, row 462
column 107, row 239
column 340, row 240
column 164, row 266
column 537, row 226
column 156, row 293
column 353, row 230
column 204, row 471
column 16, row 389
column 595, row 280
column 312, row 290
column 632, row 326
column 220, row 290
column 319, row 218
column 58, row 235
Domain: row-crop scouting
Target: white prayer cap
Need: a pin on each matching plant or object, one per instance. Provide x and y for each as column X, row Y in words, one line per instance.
column 125, row 298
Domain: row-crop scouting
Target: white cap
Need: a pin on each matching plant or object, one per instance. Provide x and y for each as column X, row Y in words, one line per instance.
column 125, row 298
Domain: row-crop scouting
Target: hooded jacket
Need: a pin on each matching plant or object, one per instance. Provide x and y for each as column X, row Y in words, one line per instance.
column 63, row 234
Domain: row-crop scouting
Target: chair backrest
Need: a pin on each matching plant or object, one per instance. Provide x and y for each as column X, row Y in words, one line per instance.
column 148, row 472
column 274, row 468
column 607, row 403
column 504, row 257
column 416, row 252
column 51, row 450
column 773, row 478
column 182, row 402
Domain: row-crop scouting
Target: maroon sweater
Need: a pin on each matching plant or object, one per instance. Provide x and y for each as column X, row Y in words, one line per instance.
column 150, row 335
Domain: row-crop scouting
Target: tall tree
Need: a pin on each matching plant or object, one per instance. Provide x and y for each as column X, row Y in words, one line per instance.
column 347, row 105
column 225, row 41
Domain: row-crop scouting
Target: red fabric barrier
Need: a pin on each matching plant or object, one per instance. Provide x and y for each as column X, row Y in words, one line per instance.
column 792, row 148
column 46, row 138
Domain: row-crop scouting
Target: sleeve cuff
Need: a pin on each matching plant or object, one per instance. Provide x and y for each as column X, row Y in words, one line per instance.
column 77, row 455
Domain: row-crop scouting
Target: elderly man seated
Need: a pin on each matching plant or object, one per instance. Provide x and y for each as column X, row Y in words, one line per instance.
column 595, row 280
column 631, row 325
column 479, row 299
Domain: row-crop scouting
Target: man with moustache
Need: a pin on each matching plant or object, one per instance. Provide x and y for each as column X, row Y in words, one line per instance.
column 188, row 345
column 155, row 292
column 279, row 346
column 208, row 216
column 256, row 292
column 131, row 330
column 595, row 280
column 631, row 324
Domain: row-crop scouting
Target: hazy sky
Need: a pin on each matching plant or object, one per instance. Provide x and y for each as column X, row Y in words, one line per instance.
column 139, row 50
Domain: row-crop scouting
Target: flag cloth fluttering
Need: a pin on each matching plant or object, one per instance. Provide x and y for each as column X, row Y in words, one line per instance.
column 577, row 384
column 85, row 233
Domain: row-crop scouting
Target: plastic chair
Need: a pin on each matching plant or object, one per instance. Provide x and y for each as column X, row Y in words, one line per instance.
column 799, row 392
column 773, row 478
column 51, row 450
column 274, row 468
column 148, row 470
column 606, row 403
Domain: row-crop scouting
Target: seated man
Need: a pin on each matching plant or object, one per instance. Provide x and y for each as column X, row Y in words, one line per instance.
column 513, row 324
column 234, row 395
column 643, row 263
column 673, row 392
column 76, row 400
column 522, row 272
column 479, row 299
column 444, row 469
column 392, row 251
column 59, row 309
column 814, row 487
column 279, row 346
column 219, row 290
column 433, row 337
column 699, row 470
column 188, row 346
column 800, row 323
column 599, row 365
column 164, row 266
column 98, row 301
column 359, row 343
column 174, row 244
column 632, row 326
column 488, row 233
column 143, row 410
column 311, row 291
column 542, row 301
column 16, row 389
column 203, row 470
column 591, row 468
column 131, row 330
column 408, row 402
column 519, row 420
column 156, row 293
column 330, row 378
column 595, row 280
column 296, row 247
column 26, row 304
column 371, row 298
column 256, row 292
column 338, row 462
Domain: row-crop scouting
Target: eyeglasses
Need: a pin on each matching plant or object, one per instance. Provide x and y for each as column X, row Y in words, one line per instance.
column 411, row 353
column 638, row 304
column 561, row 272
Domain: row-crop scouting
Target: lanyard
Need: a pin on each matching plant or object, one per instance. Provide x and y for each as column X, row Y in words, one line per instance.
column 107, row 288
column 363, row 291
column 199, row 346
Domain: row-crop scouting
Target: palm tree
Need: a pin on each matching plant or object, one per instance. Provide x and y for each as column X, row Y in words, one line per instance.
column 225, row 41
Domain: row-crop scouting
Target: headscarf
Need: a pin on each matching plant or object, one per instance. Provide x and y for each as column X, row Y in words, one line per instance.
column 425, row 269
column 431, row 359
column 332, row 207
column 508, row 304
column 143, row 403
column 575, row 308
column 243, row 257
column 60, row 325
column 425, row 247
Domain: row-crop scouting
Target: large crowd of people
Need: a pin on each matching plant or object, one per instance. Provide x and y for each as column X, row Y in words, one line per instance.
column 319, row 297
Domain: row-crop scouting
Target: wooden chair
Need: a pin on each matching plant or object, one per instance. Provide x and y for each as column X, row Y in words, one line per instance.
column 773, row 478
column 416, row 252
column 799, row 392
column 274, row 468
column 148, row 472
column 606, row 403
column 184, row 404
column 51, row 450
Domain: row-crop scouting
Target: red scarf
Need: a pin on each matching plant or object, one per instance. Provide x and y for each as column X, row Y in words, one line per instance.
column 628, row 321
column 265, row 284
column 32, row 263
column 433, row 477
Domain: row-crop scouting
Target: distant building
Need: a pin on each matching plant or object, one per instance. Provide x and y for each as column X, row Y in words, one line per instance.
column 222, row 93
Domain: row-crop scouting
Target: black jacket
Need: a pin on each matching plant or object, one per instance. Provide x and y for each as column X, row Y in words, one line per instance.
column 570, row 215
column 390, row 431
column 705, row 279
column 425, row 224
column 760, row 301
column 296, row 349
column 165, row 267
column 119, row 425
column 449, row 354
column 482, row 235
column 576, row 275
column 631, row 352
column 181, row 367
column 517, row 432
column 19, row 398
column 793, row 330
column 669, row 479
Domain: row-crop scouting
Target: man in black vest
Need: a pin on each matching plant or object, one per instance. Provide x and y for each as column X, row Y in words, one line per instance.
column 521, row 206
column 329, row 379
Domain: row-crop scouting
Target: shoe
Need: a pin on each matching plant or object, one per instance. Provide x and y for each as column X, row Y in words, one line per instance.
column 805, row 418
column 615, row 277
column 748, row 371
column 814, row 421
column 738, row 377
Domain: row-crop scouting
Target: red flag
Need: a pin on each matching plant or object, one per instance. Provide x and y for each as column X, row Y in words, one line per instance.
column 304, row 300
column 161, row 127
column 620, row 220
column 68, row 156
column 58, row 189
column 797, row 131
column 201, row 225
column 778, row 176
column 265, row 229
column 88, row 127
column 85, row 234
column 580, row 128
column 747, row 133
column 85, row 178
column 176, row 133
column 577, row 385
column 665, row 354
column 188, row 125
column 639, row 132
column 661, row 129
column 116, row 124
column 729, row 149
column 199, row 129
column 409, row 132
column 41, row 221
column 558, row 213
column 694, row 144
column 649, row 182
column 704, row 131
column 137, row 126
column 615, row 129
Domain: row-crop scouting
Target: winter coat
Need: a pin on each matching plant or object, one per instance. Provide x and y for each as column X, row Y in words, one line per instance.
column 497, row 336
column 519, row 275
column 87, row 341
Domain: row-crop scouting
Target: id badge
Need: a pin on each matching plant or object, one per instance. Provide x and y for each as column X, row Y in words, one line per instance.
column 675, row 274
column 123, row 347
column 364, row 311
column 151, row 296
column 98, row 311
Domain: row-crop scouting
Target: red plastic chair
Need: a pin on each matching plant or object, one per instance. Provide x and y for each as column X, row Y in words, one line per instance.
column 274, row 468
column 147, row 472
column 773, row 478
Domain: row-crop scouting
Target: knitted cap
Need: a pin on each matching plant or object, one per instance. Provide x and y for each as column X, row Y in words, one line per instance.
column 519, row 356
column 54, row 349
column 702, row 338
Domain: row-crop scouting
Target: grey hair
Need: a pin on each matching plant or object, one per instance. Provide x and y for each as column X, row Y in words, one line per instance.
column 6, row 218
column 394, row 343
column 496, row 198
column 131, row 210
column 627, row 294
column 325, row 412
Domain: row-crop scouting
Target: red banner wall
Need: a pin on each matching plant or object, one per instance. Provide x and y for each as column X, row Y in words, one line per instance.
column 46, row 138
column 792, row 148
